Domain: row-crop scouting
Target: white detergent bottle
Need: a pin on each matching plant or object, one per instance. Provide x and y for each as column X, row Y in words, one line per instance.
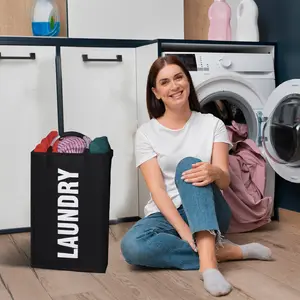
column 247, row 27
column 45, row 18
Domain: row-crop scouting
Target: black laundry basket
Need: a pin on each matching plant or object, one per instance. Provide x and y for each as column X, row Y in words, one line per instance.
column 70, row 200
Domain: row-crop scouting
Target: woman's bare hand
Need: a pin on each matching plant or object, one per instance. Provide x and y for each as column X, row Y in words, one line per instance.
column 201, row 174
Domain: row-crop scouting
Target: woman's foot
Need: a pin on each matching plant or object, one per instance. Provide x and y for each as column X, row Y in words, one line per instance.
column 228, row 252
column 215, row 283
column 213, row 280
column 231, row 251
column 256, row 251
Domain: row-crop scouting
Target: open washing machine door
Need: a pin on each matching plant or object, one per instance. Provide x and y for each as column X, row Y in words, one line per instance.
column 281, row 130
column 238, row 92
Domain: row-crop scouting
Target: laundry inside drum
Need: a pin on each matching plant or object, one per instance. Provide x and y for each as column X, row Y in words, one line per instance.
column 225, row 110
column 239, row 119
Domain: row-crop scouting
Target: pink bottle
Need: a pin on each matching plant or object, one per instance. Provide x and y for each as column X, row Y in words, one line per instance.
column 219, row 15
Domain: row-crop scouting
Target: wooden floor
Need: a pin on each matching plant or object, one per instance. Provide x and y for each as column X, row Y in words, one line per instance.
column 275, row 280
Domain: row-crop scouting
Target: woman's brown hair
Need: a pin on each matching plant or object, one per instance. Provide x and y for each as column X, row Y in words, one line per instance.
column 155, row 107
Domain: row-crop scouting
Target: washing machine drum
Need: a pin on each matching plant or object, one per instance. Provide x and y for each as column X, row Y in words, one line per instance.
column 285, row 131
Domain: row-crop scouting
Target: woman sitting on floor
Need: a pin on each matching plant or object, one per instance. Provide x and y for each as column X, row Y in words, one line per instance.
column 183, row 156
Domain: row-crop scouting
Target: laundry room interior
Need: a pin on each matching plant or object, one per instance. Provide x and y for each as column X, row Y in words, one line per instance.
column 74, row 79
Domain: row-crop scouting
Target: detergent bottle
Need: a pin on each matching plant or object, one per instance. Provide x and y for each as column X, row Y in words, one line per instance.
column 45, row 18
column 247, row 27
column 219, row 14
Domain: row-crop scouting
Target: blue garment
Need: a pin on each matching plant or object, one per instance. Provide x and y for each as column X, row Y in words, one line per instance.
column 153, row 242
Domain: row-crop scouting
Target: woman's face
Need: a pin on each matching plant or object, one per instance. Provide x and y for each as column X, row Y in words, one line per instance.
column 172, row 86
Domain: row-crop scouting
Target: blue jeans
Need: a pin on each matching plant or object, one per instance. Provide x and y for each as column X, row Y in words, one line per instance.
column 153, row 241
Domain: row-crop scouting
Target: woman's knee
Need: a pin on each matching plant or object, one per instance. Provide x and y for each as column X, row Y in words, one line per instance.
column 185, row 164
column 132, row 248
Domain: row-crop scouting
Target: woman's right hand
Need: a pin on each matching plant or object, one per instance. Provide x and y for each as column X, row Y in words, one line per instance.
column 186, row 235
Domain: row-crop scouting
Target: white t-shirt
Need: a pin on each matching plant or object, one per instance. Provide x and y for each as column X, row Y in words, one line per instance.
column 170, row 146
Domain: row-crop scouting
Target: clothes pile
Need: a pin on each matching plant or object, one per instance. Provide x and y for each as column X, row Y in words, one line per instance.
column 72, row 142
column 245, row 195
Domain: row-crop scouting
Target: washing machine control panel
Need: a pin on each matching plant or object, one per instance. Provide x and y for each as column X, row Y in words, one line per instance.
column 212, row 62
column 188, row 59
column 202, row 61
column 192, row 61
column 225, row 62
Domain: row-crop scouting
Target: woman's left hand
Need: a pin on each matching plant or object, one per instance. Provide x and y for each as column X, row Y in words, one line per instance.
column 201, row 174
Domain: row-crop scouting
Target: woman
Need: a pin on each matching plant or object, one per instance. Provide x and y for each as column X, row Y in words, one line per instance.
column 183, row 156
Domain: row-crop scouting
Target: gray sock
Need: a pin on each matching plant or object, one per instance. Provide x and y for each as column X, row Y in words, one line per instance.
column 215, row 283
column 256, row 251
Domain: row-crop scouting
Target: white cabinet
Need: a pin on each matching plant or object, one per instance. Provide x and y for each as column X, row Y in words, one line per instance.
column 130, row 19
column 28, row 112
column 145, row 56
column 100, row 100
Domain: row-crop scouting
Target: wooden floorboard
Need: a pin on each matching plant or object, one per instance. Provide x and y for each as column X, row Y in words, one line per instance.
column 4, row 291
column 252, row 280
column 19, row 279
column 187, row 285
column 258, row 285
column 58, row 283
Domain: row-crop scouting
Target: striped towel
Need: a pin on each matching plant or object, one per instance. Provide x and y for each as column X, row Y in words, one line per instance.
column 72, row 144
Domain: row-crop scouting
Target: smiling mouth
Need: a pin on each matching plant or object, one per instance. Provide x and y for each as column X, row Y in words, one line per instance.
column 177, row 95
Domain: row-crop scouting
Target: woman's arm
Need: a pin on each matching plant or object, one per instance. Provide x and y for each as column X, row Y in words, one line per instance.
column 147, row 161
column 220, row 162
column 154, row 180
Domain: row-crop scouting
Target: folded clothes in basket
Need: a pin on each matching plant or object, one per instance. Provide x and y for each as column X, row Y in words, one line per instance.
column 46, row 142
column 72, row 142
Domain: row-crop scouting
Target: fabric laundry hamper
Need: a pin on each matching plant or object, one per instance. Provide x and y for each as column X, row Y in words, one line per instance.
column 70, row 198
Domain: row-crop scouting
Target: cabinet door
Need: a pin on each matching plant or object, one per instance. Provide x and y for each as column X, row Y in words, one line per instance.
column 28, row 112
column 100, row 100
column 130, row 19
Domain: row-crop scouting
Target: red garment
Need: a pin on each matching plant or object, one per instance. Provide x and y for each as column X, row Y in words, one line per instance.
column 46, row 142
column 245, row 195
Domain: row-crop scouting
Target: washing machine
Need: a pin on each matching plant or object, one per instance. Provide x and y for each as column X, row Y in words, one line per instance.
column 272, row 114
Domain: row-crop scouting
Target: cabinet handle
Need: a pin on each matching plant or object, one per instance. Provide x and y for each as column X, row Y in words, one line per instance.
column 86, row 58
column 31, row 56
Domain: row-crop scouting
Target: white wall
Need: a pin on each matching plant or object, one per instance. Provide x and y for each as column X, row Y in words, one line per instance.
column 126, row 19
